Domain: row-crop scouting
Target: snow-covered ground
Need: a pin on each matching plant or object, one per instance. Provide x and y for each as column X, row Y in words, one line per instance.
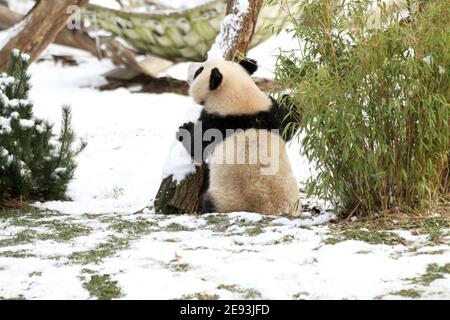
column 95, row 246
column 241, row 255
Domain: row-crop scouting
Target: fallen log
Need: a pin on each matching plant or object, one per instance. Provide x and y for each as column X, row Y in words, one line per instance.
column 150, row 66
column 126, row 78
column 80, row 39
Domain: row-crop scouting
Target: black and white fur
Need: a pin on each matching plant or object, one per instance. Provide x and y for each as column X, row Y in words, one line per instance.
column 231, row 100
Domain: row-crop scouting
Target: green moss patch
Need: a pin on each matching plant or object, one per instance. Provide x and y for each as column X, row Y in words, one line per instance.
column 219, row 222
column 199, row 296
column 40, row 225
column 437, row 228
column 102, row 287
column 409, row 293
column 180, row 267
column 371, row 237
column 175, row 227
column 285, row 239
column 433, row 272
column 247, row 293
column 132, row 228
column 254, row 231
column 300, row 295
column 103, row 250
column 17, row 254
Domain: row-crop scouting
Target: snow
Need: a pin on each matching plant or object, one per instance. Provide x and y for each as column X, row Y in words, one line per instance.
column 26, row 123
column 179, row 162
column 7, row 34
column 3, row 152
column 167, row 264
column 428, row 59
column 20, row 6
column 245, row 216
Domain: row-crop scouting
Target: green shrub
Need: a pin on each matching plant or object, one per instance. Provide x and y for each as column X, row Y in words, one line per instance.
column 34, row 162
column 374, row 101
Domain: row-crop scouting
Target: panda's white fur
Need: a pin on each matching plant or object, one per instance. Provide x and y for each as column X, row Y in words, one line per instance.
column 237, row 94
column 243, row 186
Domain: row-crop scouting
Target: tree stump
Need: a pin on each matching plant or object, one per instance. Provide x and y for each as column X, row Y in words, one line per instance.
column 183, row 197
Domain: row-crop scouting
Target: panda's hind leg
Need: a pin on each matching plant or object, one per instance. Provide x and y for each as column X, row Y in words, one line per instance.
column 208, row 204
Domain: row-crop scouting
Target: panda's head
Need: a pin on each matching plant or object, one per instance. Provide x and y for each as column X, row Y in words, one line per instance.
column 226, row 87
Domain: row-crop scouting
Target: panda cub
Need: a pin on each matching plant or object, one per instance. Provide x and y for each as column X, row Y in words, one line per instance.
column 239, row 129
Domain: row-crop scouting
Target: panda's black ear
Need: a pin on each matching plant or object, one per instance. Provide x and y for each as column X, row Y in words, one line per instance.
column 215, row 79
column 250, row 65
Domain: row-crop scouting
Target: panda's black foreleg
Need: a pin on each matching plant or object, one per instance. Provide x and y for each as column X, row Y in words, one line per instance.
column 185, row 135
column 207, row 201
column 208, row 204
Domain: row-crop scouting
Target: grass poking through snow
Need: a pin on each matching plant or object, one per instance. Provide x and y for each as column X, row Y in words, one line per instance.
column 433, row 272
column 102, row 287
column 245, row 293
column 407, row 293
column 199, row 296
column 371, row 237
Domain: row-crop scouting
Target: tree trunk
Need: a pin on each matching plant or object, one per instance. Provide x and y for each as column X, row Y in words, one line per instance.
column 242, row 40
column 185, row 196
column 77, row 39
column 41, row 26
column 182, row 197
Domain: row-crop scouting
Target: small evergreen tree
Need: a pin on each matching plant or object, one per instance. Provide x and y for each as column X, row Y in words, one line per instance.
column 34, row 162
column 372, row 83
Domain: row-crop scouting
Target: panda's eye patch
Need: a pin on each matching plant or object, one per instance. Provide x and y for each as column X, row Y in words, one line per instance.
column 197, row 73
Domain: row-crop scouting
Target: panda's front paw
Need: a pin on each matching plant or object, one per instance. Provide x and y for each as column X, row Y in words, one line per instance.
column 186, row 129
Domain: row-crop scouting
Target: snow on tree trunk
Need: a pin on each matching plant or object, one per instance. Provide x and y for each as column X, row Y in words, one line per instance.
column 236, row 30
column 181, row 190
column 38, row 29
